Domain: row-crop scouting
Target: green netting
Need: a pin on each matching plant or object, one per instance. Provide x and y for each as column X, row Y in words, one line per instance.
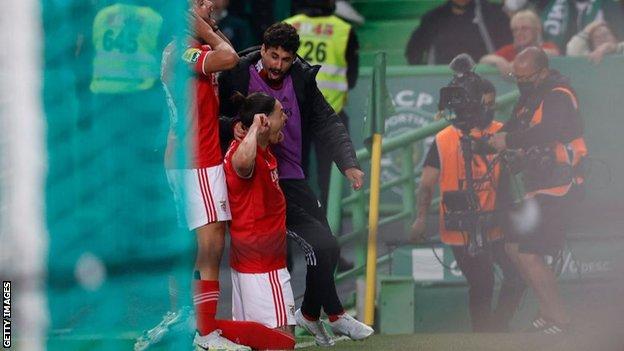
column 116, row 251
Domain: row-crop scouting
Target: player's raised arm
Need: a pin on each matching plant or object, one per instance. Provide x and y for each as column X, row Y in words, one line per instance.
column 222, row 56
column 245, row 155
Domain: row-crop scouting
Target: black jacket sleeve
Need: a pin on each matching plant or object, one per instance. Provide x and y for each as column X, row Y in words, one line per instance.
column 353, row 59
column 559, row 123
column 226, row 107
column 226, row 133
column 421, row 40
column 328, row 129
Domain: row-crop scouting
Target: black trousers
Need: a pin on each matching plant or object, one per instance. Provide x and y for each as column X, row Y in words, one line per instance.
column 307, row 225
column 479, row 272
column 324, row 161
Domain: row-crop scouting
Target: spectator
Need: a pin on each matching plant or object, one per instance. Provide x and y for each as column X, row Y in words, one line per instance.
column 456, row 27
column 527, row 31
column 563, row 18
column 594, row 42
column 235, row 28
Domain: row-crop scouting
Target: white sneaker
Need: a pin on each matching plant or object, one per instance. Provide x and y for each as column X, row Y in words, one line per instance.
column 316, row 328
column 351, row 327
column 214, row 341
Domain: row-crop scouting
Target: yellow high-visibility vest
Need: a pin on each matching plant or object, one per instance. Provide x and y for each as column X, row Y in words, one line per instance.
column 324, row 42
column 125, row 38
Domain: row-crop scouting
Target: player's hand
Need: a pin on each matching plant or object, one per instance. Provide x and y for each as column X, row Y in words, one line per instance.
column 200, row 28
column 239, row 131
column 355, row 177
column 592, row 26
column 417, row 234
column 599, row 53
column 595, row 56
column 213, row 24
column 498, row 141
column 261, row 123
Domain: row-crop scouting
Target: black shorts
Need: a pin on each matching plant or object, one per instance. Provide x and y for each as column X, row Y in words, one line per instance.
column 547, row 236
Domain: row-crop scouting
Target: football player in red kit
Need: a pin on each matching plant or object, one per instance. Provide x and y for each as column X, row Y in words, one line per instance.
column 198, row 182
column 261, row 289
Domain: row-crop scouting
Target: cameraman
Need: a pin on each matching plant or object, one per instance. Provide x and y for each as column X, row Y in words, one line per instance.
column 547, row 129
column 445, row 165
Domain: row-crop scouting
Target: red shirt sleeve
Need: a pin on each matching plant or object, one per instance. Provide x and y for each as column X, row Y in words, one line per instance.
column 508, row 52
column 551, row 46
column 195, row 57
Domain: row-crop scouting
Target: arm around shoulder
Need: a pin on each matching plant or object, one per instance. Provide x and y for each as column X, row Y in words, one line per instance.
column 504, row 66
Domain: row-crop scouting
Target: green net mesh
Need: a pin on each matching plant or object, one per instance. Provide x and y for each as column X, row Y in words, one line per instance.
column 117, row 258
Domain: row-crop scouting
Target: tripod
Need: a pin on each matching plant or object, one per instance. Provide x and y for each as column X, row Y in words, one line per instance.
column 475, row 228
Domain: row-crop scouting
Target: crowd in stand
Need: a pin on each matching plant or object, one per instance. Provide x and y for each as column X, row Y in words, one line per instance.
column 495, row 33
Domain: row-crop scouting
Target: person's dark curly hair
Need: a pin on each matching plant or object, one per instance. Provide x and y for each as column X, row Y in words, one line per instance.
column 282, row 35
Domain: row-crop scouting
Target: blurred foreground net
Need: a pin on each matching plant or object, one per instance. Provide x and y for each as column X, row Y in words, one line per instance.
column 117, row 258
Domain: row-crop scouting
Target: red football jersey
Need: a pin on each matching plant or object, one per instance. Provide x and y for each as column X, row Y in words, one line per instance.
column 258, row 206
column 203, row 122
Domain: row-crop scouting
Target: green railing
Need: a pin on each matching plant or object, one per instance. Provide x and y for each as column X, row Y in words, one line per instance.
column 355, row 202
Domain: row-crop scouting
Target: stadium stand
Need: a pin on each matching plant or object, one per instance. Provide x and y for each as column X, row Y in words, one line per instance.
column 388, row 26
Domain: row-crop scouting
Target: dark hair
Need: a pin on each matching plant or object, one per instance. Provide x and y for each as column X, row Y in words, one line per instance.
column 282, row 35
column 251, row 105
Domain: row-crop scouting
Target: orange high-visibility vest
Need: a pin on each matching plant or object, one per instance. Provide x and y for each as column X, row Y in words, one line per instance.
column 577, row 148
column 453, row 175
